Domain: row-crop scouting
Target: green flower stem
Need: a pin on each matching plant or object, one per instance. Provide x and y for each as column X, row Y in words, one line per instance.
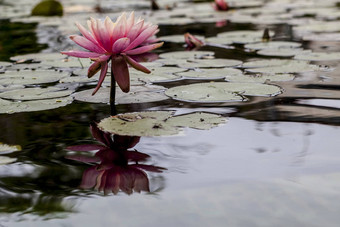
column 113, row 95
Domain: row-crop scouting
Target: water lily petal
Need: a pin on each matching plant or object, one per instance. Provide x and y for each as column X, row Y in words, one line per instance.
column 87, row 44
column 121, row 73
column 136, row 65
column 104, row 66
column 130, row 21
column 104, row 35
column 135, row 30
column 89, row 178
column 144, row 35
column 81, row 54
column 86, row 147
column 120, row 45
column 120, row 28
column 144, row 49
column 93, row 69
column 86, row 33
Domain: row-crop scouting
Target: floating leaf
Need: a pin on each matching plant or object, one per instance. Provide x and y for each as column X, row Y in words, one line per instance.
column 322, row 37
column 271, row 62
column 4, row 64
column 187, row 54
column 36, row 105
column 38, row 57
column 259, row 78
column 238, row 37
column 321, row 27
column 137, row 94
column 272, row 45
column 210, row 74
column 5, row 148
column 334, row 56
column 282, row 52
column 220, row 91
column 285, row 67
column 6, row 160
column 48, row 8
column 35, row 93
column 159, row 75
column 158, row 123
column 176, row 38
column 209, row 63
column 27, row 77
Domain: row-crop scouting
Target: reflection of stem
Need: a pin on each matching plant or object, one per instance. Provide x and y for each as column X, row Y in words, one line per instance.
column 113, row 93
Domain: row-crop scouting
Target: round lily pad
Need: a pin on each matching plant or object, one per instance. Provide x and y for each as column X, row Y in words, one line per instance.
column 27, row 77
column 287, row 67
column 35, row 105
column 158, row 123
column 282, row 52
column 4, row 64
column 334, row 56
column 38, row 57
column 186, row 54
column 176, row 38
column 6, row 160
column 210, row 74
column 137, row 94
column 35, row 93
column 209, row 63
column 319, row 27
column 271, row 62
column 5, row 148
column 221, row 91
column 272, row 45
column 262, row 78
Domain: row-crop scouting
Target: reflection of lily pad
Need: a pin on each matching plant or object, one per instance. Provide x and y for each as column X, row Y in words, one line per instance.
column 5, row 148
column 36, row 105
column 209, row 63
column 210, row 74
column 319, row 56
column 158, row 123
column 137, row 94
column 186, row 54
column 26, row 77
column 36, row 93
column 6, row 160
column 221, row 91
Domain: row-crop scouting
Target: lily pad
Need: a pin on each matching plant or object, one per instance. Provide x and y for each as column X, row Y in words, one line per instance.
column 28, row 77
column 6, row 160
column 221, row 91
column 209, row 63
column 282, row 52
column 158, row 123
column 286, row 67
column 4, row 64
column 334, row 56
column 176, row 38
column 36, row 105
column 187, row 54
column 38, row 57
column 35, row 93
column 210, row 74
column 271, row 62
column 159, row 75
column 238, row 37
column 262, row 78
column 137, row 94
column 272, row 45
column 5, row 148
column 48, row 8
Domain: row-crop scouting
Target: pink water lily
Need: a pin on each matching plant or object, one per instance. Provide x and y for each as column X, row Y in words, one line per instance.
column 119, row 42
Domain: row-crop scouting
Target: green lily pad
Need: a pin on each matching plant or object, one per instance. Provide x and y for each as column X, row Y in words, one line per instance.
column 5, row 148
column 48, row 8
column 176, row 38
column 262, row 78
column 186, row 54
column 158, row 123
column 221, row 91
column 238, row 37
column 334, row 56
column 4, row 64
column 38, row 57
column 28, row 77
column 319, row 27
column 137, row 94
column 286, row 67
column 282, row 52
column 272, row 45
column 10, row 87
column 35, row 105
column 78, row 79
column 157, row 75
column 4, row 160
column 322, row 37
column 209, row 63
column 210, row 74
column 35, row 93
column 271, row 62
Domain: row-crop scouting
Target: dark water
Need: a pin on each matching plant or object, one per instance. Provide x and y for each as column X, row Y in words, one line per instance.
column 275, row 163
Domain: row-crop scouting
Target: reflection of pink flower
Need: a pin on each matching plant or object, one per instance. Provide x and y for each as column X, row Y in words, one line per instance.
column 220, row 5
column 120, row 42
column 116, row 165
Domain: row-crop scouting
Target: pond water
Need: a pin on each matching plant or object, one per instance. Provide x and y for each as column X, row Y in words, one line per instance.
column 274, row 161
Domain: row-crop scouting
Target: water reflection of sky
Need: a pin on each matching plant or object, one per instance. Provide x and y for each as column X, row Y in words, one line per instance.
column 227, row 179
